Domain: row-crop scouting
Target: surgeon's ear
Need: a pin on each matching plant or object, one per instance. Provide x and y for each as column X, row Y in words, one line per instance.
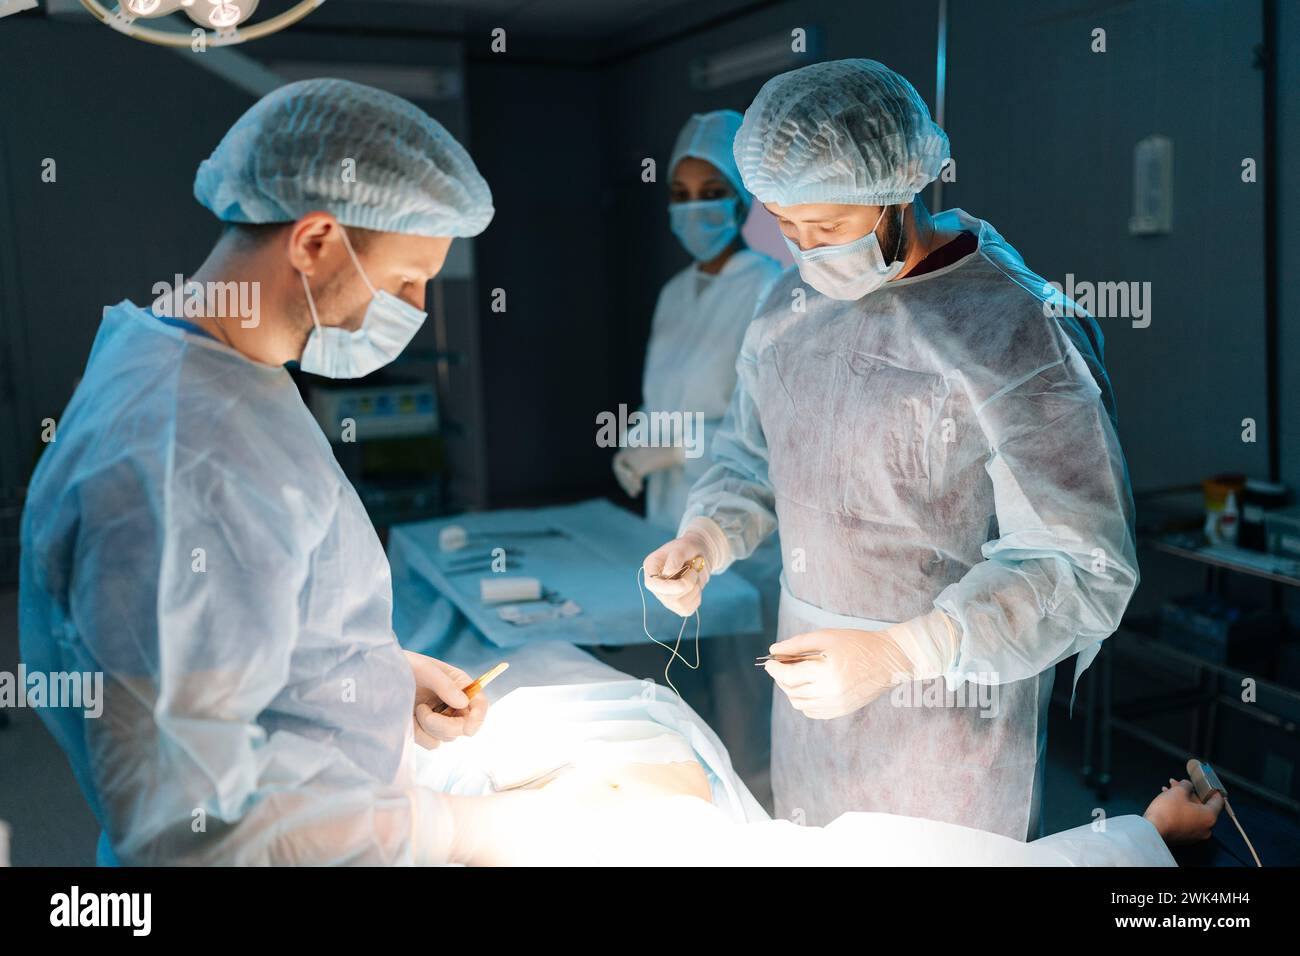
column 315, row 237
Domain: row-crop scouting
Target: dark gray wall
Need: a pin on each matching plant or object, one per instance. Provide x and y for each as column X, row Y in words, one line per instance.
column 121, row 215
column 1043, row 131
column 536, row 137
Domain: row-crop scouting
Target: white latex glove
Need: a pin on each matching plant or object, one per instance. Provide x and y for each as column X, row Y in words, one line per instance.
column 681, row 596
column 856, row 667
column 631, row 465
column 438, row 683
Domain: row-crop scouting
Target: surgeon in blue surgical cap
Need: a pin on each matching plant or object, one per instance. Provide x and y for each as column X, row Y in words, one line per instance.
column 702, row 312
column 934, row 435
column 191, row 536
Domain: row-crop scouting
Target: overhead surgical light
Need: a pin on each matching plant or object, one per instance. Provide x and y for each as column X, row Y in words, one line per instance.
column 8, row 7
column 150, row 8
column 224, row 17
column 219, row 14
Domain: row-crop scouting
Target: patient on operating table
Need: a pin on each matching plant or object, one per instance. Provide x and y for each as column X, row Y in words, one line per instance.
column 621, row 772
column 634, row 781
column 1177, row 813
column 619, row 739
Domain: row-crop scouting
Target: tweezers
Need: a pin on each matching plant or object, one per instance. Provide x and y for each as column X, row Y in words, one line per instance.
column 696, row 564
column 471, row 558
column 528, row 533
column 790, row 658
column 485, row 566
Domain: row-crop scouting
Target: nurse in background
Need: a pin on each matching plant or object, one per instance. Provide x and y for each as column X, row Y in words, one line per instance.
column 700, row 318
column 698, row 328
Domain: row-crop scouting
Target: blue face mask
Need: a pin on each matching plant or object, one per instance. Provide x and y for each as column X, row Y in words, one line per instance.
column 706, row 227
column 388, row 327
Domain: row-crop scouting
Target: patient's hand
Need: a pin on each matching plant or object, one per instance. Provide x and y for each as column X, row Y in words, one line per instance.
column 1179, row 815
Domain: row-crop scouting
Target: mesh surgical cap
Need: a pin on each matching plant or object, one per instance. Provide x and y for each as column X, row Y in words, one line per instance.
column 848, row 131
column 709, row 136
column 370, row 158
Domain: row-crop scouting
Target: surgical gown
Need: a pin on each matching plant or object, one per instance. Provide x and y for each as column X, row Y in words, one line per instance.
column 190, row 535
column 699, row 324
column 941, row 442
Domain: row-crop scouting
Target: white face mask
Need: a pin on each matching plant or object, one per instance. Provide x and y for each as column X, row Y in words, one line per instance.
column 388, row 327
column 849, row 271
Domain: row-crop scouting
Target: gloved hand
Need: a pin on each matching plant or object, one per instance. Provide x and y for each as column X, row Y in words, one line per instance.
column 631, row 465
column 437, row 683
column 856, row 667
column 681, row 596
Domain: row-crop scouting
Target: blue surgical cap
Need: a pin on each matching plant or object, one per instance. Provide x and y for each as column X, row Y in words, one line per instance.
column 847, row 131
column 372, row 159
column 709, row 136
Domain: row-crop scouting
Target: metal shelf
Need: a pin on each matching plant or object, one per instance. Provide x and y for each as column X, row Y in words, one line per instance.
column 1202, row 701
column 1247, row 563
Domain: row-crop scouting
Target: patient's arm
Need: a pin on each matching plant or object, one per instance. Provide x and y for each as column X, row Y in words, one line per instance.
column 1179, row 815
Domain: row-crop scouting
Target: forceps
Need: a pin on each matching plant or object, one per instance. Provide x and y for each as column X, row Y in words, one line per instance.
column 696, row 564
column 790, row 658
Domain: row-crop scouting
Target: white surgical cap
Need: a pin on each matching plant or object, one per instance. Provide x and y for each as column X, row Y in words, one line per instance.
column 848, row 131
column 372, row 159
column 709, row 136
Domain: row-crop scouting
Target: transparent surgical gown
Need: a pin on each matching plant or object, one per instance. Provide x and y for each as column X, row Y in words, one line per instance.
column 945, row 441
column 190, row 535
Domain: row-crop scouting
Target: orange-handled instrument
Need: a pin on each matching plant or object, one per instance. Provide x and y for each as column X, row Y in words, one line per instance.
column 472, row 690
